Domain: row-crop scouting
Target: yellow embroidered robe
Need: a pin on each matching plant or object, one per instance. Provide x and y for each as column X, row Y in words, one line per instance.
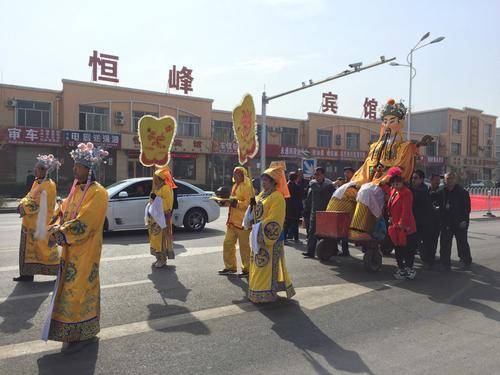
column 161, row 240
column 76, row 301
column 35, row 256
column 268, row 273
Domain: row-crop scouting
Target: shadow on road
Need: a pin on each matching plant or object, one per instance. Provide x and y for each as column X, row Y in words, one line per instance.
column 291, row 324
column 17, row 314
column 168, row 286
column 470, row 290
column 82, row 363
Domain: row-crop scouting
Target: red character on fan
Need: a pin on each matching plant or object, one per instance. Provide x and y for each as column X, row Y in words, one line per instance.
column 402, row 227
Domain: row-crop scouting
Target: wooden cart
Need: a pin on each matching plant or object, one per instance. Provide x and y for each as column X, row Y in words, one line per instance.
column 333, row 227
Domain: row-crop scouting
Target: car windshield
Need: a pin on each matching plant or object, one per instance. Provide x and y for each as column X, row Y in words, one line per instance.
column 116, row 187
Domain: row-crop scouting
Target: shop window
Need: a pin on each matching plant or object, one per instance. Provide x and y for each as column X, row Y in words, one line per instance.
column 289, row 136
column 456, row 149
column 456, row 126
column 136, row 115
column 324, row 138
column 352, row 141
column 222, row 131
column 94, row 118
column 33, row 114
column 188, row 126
column 185, row 168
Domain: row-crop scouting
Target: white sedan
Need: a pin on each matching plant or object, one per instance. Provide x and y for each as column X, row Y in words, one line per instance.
column 128, row 199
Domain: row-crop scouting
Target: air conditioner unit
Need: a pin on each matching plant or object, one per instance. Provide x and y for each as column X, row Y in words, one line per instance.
column 119, row 121
column 119, row 118
column 11, row 103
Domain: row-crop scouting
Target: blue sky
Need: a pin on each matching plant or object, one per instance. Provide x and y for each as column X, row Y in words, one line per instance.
column 243, row 46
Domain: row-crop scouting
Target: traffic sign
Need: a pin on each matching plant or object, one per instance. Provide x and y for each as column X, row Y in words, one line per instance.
column 308, row 167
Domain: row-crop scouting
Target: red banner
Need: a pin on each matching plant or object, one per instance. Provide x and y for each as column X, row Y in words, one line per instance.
column 480, row 203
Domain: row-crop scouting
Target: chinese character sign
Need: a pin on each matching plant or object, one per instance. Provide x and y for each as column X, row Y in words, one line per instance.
column 34, row 136
column 244, row 126
column 156, row 136
column 106, row 140
column 370, row 109
column 180, row 80
column 108, row 65
column 329, row 102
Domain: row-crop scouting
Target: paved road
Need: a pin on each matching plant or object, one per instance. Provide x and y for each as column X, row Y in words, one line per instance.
column 188, row 320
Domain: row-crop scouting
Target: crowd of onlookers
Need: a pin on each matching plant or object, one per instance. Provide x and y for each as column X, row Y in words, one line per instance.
column 418, row 215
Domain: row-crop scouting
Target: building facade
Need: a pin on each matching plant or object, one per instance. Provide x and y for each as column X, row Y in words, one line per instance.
column 466, row 137
column 35, row 121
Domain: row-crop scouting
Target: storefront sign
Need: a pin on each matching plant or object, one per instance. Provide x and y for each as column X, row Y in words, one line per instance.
column 318, row 153
column 224, row 147
column 72, row 138
column 192, row 145
column 31, row 136
column 108, row 65
column 424, row 159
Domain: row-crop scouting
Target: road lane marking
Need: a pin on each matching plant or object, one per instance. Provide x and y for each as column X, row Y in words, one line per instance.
column 308, row 297
column 46, row 294
column 189, row 252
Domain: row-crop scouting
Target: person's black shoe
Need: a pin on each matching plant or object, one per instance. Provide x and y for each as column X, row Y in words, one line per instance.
column 308, row 255
column 444, row 268
column 465, row 266
column 243, row 274
column 23, row 278
column 428, row 266
column 227, row 271
column 73, row 347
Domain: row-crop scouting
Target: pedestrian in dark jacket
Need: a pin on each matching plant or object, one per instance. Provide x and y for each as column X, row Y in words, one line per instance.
column 293, row 209
column 320, row 192
column 455, row 213
column 303, row 183
column 434, row 219
column 421, row 209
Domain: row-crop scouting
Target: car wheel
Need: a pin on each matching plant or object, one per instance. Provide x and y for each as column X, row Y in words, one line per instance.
column 105, row 227
column 195, row 220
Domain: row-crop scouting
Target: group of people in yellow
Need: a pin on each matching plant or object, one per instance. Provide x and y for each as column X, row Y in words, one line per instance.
column 256, row 223
column 66, row 239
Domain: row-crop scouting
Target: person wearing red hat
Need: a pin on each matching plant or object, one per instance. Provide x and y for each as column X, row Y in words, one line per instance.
column 402, row 225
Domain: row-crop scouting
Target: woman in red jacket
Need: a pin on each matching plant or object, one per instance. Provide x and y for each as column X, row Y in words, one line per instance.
column 401, row 225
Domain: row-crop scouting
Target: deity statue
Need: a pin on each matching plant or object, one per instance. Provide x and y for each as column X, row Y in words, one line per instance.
column 363, row 196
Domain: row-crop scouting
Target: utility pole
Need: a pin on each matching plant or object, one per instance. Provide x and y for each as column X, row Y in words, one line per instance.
column 354, row 68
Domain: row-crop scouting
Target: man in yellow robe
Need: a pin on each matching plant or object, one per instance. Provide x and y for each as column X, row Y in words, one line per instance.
column 268, row 273
column 37, row 210
column 241, row 193
column 159, row 217
column 75, row 307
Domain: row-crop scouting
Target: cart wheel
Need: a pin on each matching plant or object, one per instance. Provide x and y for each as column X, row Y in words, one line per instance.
column 372, row 260
column 325, row 249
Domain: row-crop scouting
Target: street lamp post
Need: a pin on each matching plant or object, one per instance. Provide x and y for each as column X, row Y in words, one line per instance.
column 355, row 68
column 409, row 59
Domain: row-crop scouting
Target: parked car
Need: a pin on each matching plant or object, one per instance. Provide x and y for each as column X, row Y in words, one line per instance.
column 128, row 199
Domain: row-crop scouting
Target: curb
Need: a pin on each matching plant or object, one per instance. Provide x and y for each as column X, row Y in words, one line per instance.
column 485, row 218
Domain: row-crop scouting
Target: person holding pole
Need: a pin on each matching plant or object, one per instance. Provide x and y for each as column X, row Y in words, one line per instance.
column 241, row 194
